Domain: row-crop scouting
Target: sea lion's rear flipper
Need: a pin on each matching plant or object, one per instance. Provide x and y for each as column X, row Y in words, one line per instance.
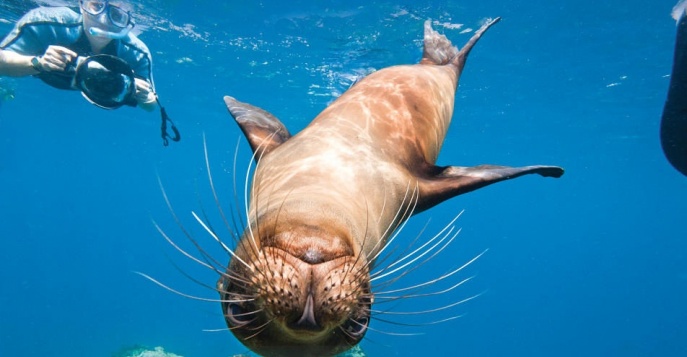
column 262, row 129
column 674, row 119
column 452, row 181
column 438, row 50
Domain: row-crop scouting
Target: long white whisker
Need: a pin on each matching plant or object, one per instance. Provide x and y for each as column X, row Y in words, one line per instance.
column 187, row 295
column 393, row 333
column 206, row 257
column 386, row 232
column 412, row 296
column 224, row 329
column 427, row 251
column 214, row 236
column 180, row 250
column 246, row 201
column 236, row 197
column 404, row 218
column 414, row 197
column 245, row 185
column 445, row 276
column 386, row 271
column 381, row 265
column 446, row 227
column 419, row 324
column 427, row 311
column 260, row 329
column 381, row 212
column 214, row 191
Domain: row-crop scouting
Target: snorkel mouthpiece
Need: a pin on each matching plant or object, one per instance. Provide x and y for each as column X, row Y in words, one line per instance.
column 111, row 35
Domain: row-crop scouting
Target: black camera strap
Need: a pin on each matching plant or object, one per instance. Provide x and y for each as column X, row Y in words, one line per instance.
column 165, row 119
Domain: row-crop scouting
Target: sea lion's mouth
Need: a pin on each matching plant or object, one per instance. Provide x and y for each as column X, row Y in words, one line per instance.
column 307, row 321
column 297, row 297
column 304, row 293
column 330, row 296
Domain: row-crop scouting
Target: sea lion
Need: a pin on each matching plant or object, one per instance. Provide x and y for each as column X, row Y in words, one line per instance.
column 324, row 202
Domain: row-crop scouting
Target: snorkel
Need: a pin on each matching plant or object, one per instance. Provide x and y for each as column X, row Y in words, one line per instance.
column 95, row 31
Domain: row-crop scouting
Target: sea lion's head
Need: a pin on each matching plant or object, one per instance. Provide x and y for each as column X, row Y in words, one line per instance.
column 296, row 294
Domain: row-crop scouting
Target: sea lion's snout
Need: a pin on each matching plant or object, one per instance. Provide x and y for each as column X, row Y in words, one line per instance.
column 283, row 302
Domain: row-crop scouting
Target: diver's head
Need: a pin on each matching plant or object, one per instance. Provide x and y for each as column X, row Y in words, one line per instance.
column 106, row 20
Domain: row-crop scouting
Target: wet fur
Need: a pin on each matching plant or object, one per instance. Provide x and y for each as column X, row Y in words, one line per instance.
column 325, row 205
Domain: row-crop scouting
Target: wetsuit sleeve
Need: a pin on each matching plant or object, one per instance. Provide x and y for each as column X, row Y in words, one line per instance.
column 29, row 36
column 42, row 27
column 143, row 69
column 137, row 55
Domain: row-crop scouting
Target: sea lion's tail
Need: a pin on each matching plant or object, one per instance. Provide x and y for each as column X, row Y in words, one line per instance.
column 438, row 50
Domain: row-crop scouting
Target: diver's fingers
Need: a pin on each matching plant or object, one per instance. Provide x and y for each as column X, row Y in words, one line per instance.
column 66, row 53
column 142, row 86
column 144, row 91
column 51, row 62
column 56, row 58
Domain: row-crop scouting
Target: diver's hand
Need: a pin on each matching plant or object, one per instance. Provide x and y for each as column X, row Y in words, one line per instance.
column 144, row 94
column 56, row 58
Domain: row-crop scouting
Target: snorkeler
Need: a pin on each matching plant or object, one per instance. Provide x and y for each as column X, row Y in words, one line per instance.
column 92, row 50
column 674, row 119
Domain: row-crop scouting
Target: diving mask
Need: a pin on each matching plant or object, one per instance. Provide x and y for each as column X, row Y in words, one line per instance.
column 119, row 19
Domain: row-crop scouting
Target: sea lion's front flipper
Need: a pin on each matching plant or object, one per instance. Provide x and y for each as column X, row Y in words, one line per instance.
column 262, row 129
column 452, row 181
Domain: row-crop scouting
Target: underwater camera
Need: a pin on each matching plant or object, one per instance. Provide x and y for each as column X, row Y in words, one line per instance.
column 104, row 80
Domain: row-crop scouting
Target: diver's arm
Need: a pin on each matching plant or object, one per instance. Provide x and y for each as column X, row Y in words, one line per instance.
column 55, row 58
column 15, row 65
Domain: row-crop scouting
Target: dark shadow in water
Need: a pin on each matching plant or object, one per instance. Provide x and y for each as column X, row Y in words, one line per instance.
column 674, row 120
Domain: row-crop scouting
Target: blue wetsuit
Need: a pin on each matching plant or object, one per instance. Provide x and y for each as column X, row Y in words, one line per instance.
column 62, row 26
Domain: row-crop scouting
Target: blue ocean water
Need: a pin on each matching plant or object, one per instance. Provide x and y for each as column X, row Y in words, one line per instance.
column 594, row 263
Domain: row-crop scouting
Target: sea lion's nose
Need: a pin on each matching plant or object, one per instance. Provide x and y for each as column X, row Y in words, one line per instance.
column 307, row 321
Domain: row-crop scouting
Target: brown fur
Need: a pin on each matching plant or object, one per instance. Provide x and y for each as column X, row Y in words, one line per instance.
column 324, row 202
